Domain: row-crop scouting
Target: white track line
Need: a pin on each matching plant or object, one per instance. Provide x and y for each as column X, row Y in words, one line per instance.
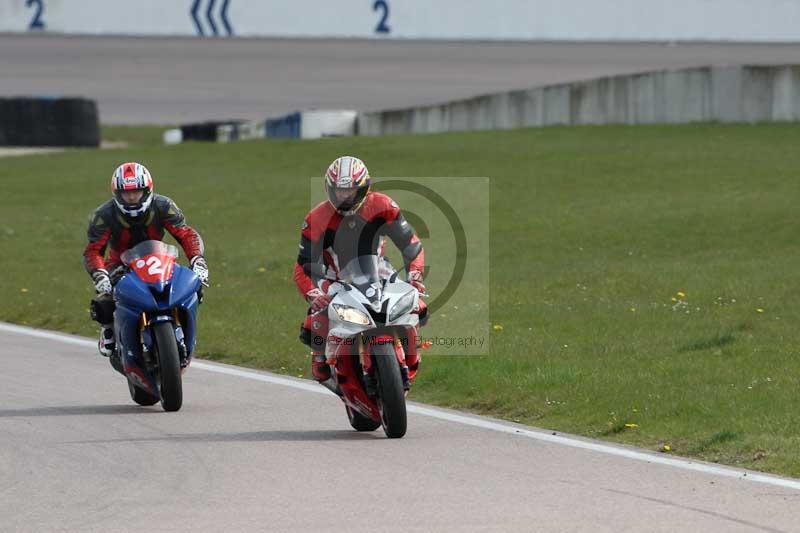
column 450, row 416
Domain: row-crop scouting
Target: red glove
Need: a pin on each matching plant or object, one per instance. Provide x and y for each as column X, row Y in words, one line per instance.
column 320, row 303
column 318, row 300
column 415, row 279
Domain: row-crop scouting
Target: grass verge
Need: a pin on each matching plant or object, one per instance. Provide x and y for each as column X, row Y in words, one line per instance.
column 642, row 278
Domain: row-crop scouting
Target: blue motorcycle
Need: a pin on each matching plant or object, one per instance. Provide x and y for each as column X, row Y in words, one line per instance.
column 155, row 323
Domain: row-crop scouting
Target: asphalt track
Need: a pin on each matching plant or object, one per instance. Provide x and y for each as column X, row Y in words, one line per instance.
column 175, row 80
column 253, row 451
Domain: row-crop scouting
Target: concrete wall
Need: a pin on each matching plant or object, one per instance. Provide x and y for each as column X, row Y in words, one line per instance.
column 725, row 94
column 558, row 20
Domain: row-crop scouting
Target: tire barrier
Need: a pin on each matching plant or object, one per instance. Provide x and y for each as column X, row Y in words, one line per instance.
column 28, row 121
column 205, row 131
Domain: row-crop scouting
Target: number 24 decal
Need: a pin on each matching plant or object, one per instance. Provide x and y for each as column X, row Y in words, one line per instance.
column 37, row 23
column 154, row 263
column 383, row 7
column 155, row 266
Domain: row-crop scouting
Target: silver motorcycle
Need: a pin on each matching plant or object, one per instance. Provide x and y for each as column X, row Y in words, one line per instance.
column 369, row 320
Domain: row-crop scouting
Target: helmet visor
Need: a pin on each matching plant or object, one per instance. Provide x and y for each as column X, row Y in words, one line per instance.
column 133, row 202
column 131, row 197
column 346, row 199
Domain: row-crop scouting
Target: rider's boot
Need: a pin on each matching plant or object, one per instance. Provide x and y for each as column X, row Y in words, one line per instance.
column 313, row 333
column 412, row 354
column 319, row 367
column 106, row 344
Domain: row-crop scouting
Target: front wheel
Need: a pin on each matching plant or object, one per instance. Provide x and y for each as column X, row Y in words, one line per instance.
column 391, row 397
column 169, row 366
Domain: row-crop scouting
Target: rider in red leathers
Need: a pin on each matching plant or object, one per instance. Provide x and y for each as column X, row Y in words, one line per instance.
column 373, row 216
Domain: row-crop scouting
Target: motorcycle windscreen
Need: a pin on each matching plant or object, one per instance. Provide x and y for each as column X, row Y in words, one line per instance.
column 152, row 261
column 362, row 273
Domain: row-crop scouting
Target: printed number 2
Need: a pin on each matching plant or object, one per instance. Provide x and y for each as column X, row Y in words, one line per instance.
column 155, row 266
column 37, row 23
column 383, row 6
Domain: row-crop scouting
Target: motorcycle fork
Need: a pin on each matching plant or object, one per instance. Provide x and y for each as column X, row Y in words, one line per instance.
column 400, row 352
column 151, row 363
column 364, row 356
column 182, row 341
column 146, row 354
column 368, row 379
column 365, row 353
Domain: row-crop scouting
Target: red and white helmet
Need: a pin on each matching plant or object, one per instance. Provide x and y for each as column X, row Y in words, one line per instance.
column 347, row 183
column 132, row 177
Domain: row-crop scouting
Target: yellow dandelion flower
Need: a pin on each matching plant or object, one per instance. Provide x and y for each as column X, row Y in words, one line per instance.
column 497, row 327
column 674, row 299
column 681, row 294
column 631, row 425
column 262, row 269
column 759, row 310
column 666, row 448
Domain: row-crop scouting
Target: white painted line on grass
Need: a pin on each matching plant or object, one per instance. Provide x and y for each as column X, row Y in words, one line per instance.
column 450, row 416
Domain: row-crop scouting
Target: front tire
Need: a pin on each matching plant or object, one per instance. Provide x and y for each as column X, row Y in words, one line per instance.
column 169, row 366
column 391, row 397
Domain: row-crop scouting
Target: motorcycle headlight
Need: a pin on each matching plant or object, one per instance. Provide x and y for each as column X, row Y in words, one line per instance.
column 402, row 306
column 351, row 314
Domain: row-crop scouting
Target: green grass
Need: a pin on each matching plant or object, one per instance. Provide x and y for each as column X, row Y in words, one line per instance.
column 594, row 231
